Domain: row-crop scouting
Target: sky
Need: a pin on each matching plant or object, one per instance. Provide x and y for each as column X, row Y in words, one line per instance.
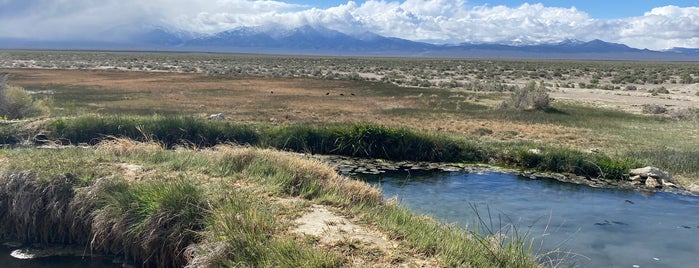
column 652, row 24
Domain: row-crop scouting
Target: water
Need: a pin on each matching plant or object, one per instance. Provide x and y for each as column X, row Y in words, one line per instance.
column 6, row 260
column 601, row 227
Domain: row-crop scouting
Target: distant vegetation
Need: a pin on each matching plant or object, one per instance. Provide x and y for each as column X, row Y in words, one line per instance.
column 478, row 75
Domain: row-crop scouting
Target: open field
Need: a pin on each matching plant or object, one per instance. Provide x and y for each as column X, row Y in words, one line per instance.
column 599, row 124
column 583, row 118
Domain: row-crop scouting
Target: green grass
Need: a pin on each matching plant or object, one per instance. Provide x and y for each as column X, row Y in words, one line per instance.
column 185, row 209
column 359, row 140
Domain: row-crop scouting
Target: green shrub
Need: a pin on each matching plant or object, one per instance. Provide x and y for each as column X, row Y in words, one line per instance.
column 530, row 97
column 653, row 109
column 17, row 103
column 659, row 90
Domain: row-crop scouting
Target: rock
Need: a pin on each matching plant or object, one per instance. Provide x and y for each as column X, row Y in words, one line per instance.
column 218, row 116
column 534, row 151
column 652, row 183
column 651, row 172
column 668, row 184
column 36, row 252
column 23, row 254
column 636, row 178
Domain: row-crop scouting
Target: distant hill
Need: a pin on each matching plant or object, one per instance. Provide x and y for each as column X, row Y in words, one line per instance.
column 309, row 40
column 304, row 40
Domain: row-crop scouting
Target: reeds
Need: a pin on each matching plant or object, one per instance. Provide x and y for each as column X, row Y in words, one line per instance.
column 358, row 140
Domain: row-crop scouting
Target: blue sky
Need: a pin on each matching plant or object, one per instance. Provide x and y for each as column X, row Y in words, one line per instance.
column 652, row 24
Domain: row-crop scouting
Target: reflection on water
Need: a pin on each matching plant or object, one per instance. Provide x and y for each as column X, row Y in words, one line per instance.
column 6, row 260
column 602, row 227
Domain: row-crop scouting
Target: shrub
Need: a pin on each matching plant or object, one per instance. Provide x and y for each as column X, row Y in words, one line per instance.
column 653, row 109
column 683, row 114
column 659, row 90
column 17, row 103
column 529, row 97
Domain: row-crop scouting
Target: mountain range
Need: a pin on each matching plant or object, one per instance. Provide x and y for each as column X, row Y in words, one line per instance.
column 309, row 40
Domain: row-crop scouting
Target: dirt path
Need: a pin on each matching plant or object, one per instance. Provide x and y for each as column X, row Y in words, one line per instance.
column 363, row 245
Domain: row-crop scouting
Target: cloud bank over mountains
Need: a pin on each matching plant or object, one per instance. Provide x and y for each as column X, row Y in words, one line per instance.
column 438, row 21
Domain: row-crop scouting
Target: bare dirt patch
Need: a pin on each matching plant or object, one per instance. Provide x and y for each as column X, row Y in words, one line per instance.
column 132, row 172
column 364, row 246
column 680, row 97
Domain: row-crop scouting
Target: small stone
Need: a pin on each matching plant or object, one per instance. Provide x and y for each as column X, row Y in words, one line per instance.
column 22, row 254
column 534, row 151
column 218, row 116
column 668, row 184
column 652, row 183
column 635, row 178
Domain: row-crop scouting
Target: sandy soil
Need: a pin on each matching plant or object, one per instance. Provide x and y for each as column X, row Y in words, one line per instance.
column 680, row 97
column 366, row 246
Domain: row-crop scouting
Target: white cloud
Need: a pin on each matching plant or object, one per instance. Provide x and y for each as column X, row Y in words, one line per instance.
column 441, row 21
column 662, row 27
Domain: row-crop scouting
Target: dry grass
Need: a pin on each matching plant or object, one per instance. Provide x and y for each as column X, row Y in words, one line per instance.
column 300, row 101
column 127, row 147
column 294, row 101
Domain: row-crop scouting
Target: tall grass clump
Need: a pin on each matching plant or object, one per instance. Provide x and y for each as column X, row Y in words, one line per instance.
column 150, row 222
column 453, row 246
column 39, row 210
column 284, row 174
column 565, row 160
column 169, row 131
column 241, row 232
column 360, row 140
column 373, row 141
column 9, row 134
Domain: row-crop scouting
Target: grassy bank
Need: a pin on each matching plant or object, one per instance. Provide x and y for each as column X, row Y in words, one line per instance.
column 359, row 140
column 222, row 206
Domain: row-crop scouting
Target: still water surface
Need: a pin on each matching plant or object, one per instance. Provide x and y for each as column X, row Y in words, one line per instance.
column 56, row 261
column 601, row 227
